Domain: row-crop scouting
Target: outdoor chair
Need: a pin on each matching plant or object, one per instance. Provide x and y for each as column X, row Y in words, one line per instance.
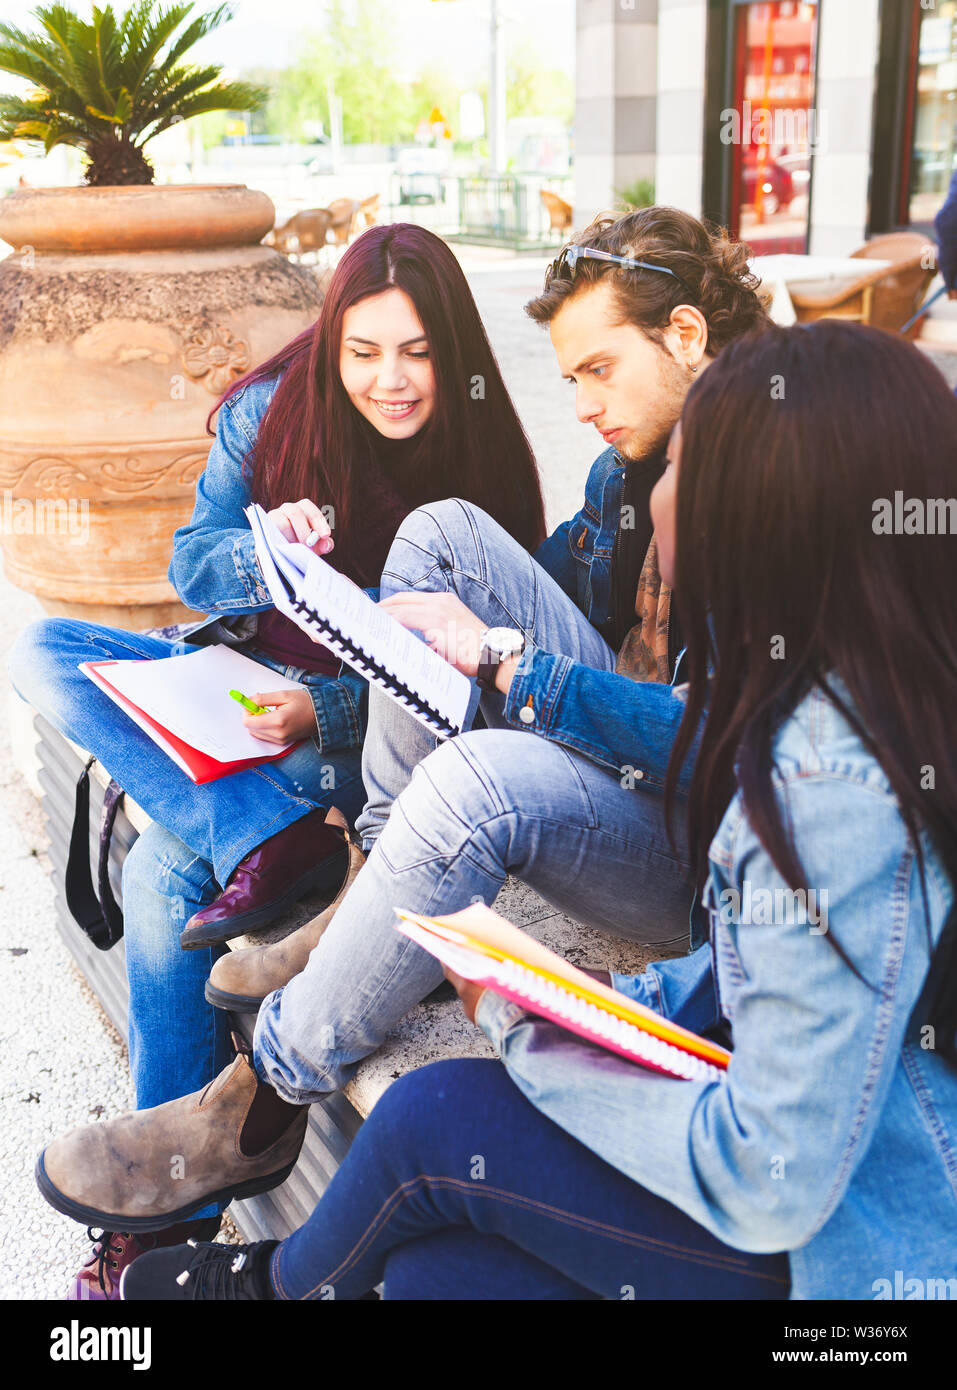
column 884, row 298
column 559, row 212
column 369, row 210
column 343, row 219
column 305, row 231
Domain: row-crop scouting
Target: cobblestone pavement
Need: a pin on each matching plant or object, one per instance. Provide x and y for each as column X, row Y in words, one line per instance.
column 62, row 1063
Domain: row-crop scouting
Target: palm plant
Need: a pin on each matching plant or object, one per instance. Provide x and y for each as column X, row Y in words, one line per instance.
column 108, row 86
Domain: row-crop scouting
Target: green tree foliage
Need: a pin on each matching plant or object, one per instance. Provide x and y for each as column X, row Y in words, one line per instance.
column 110, row 85
column 532, row 90
column 356, row 53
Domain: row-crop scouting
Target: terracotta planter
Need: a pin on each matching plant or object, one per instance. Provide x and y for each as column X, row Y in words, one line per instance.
column 124, row 314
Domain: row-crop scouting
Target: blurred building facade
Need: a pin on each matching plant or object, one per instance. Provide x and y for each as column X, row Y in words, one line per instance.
column 803, row 125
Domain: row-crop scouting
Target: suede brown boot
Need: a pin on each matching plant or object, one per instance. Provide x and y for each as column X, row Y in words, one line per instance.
column 240, row 980
column 148, row 1169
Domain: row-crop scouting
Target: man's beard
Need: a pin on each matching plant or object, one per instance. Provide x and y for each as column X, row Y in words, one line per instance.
column 651, row 436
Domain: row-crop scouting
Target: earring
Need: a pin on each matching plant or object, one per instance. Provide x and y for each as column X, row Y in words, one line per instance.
column 694, row 369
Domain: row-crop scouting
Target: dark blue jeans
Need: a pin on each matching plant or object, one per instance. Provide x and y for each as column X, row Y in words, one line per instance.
column 456, row 1187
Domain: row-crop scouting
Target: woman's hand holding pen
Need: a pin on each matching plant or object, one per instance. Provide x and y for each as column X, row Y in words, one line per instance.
column 305, row 522
column 293, row 717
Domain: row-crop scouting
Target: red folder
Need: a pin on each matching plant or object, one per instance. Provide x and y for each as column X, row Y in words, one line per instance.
column 199, row 767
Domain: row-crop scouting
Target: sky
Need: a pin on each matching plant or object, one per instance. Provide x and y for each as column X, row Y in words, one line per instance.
column 453, row 32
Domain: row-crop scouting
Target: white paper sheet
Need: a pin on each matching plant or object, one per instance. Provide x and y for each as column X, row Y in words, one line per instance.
column 189, row 696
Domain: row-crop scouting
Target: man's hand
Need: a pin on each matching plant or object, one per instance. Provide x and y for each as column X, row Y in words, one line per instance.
column 293, row 718
column 468, row 991
column 449, row 627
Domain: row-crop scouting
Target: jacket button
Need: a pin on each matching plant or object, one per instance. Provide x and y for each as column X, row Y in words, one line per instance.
column 526, row 715
column 638, row 774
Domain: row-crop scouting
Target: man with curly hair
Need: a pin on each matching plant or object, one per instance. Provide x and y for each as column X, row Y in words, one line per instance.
column 575, row 652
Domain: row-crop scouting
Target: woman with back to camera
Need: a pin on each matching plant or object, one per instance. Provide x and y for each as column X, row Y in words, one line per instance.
column 391, row 400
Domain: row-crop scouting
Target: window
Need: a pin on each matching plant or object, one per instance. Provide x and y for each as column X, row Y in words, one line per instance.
column 774, row 69
column 934, row 156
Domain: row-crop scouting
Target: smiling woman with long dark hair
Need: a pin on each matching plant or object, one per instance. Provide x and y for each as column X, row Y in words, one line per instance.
column 391, row 400
column 312, row 444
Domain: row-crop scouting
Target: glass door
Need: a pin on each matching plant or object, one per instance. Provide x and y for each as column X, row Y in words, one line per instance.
column 776, row 129
column 934, row 149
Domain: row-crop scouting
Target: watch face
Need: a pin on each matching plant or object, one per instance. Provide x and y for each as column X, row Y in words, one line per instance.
column 504, row 641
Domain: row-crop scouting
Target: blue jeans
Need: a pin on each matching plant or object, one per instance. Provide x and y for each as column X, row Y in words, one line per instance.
column 178, row 1043
column 456, row 1187
column 443, row 826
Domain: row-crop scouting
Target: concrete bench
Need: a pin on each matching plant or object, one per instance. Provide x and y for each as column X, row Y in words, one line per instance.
column 436, row 1029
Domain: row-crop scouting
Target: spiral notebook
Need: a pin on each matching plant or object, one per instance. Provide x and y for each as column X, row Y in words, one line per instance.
column 479, row 945
column 330, row 607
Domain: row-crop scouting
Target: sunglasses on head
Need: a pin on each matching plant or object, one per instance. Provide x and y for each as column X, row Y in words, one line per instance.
column 564, row 266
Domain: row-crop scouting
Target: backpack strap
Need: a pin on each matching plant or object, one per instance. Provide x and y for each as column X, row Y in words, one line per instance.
column 95, row 911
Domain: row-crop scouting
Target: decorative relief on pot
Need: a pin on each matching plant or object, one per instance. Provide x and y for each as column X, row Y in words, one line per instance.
column 213, row 356
column 52, row 476
column 119, row 477
column 138, row 475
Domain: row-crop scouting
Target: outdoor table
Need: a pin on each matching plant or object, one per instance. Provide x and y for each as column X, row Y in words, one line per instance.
column 778, row 273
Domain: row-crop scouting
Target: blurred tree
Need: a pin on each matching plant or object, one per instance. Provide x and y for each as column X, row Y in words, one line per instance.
column 536, row 91
column 356, row 50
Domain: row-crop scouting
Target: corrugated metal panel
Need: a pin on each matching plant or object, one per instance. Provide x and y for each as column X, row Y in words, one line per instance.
column 333, row 1122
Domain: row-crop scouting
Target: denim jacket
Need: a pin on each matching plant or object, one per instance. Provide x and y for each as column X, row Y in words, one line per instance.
column 612, row 720
column 833, row 1134
column 214, row 569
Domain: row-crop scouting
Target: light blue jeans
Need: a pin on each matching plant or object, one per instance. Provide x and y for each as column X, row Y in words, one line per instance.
column 444, row 825
column 178, row 1042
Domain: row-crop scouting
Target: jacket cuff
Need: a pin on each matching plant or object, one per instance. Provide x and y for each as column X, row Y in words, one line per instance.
column 337, row 718
column 535, row 690
column 248, row 572
column 495, row 1015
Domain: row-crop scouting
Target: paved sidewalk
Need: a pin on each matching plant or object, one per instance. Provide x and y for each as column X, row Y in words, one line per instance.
column 61, row 1058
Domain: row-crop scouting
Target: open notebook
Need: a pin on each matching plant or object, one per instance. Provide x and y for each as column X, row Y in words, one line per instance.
column 479, row 945
column 328, row 605
column 183, row 704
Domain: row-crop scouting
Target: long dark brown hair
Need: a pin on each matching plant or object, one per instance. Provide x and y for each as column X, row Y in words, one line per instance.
column 792, row 442
column 312, row 442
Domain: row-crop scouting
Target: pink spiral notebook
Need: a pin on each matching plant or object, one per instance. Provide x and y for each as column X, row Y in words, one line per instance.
column 479, row 945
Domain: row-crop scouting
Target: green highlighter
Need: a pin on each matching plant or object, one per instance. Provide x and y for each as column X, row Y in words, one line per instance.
column 246, row 703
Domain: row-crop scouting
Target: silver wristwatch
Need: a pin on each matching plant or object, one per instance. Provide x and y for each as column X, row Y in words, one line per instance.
column 498, row 645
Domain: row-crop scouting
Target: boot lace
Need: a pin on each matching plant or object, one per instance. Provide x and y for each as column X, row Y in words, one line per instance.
column 222, row 1272
column 103, row 1248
